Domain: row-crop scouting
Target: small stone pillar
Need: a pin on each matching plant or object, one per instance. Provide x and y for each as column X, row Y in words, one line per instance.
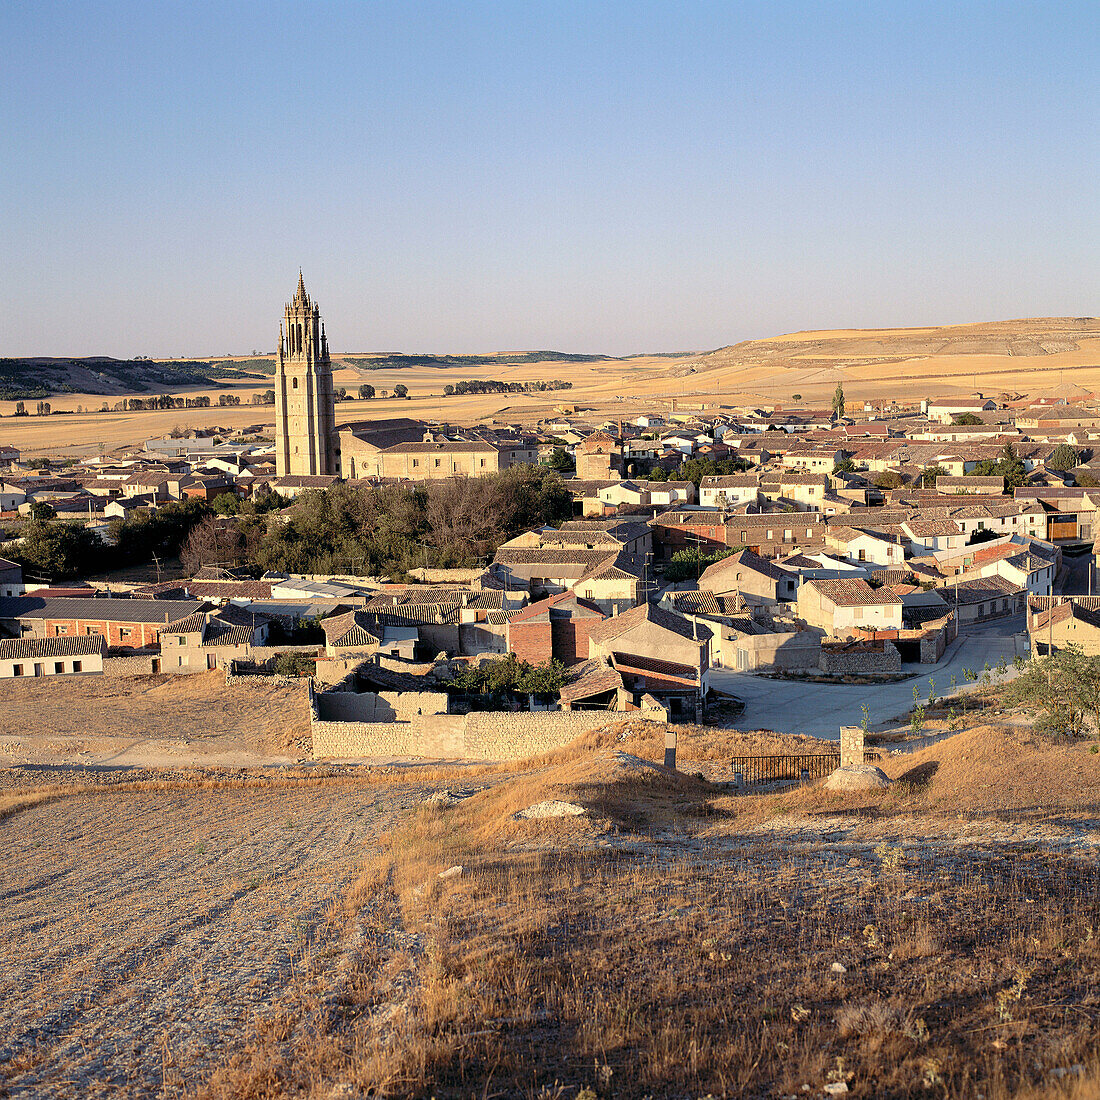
column 670, row 750
column 851, row 745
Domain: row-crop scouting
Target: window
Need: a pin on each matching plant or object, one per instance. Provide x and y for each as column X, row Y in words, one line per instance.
column 17, row 670
column 124, row 632
column 61, row 630
column 58, row 667
column 77, row 666
column 863, row 555
column 788, row 535
column 295, row 383
column 416, row 461
column 770, row 535
column 91, row 630
column 482, row 462
column 181, row 640
column 437, row 463
column 744, row 536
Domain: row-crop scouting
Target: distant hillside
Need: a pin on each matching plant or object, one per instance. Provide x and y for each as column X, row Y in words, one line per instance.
column 397, row 361
column 31, row 379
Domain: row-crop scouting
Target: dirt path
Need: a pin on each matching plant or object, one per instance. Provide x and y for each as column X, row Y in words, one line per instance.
column 141, row 934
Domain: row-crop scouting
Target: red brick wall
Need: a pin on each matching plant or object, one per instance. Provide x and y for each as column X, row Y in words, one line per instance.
column 570, row 638
column 140, row 636
column 530, row 641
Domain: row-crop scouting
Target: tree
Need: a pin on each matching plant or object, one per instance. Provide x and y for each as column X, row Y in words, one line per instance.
column 1062, row 458
column 967, row 419
column 1086, row 481
column 366, row 392
column 560, row 459
column 226, row 504
column 658, row 473
column 844, row 466
column 1064, row 688
column 400, row 391
column 58, row 550
column 796, row 397
column 20, row 408
column 928, row 477
column 888, row 479
column 838, row 401
column 448, row 390
column 42, row 511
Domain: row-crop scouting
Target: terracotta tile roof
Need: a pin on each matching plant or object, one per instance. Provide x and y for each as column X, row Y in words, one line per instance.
column 77, row 645
column 620, row 624
column 854, row 592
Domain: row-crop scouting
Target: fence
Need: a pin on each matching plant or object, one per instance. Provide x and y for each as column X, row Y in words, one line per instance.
column 771, row 769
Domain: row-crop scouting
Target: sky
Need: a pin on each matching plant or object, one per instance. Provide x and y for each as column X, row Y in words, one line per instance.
column 581, row 176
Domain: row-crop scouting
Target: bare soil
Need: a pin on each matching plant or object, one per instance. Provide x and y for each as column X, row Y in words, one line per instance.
column 159, row 721
column 144, row 936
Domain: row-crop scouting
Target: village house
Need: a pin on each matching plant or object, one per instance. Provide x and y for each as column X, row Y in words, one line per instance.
column 943, row 410
column 211, row 638
column 729, row 490
column 753, row 578
column 125, row 624
column 66, row 656
column 841, row 607
column 557, row 628
column 979, row 598
column 1067, row 622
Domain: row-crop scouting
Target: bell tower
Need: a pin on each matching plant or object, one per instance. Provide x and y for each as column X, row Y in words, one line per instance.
column 305, row 421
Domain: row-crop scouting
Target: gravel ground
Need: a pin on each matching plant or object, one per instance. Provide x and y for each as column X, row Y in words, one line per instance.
column 142, row 934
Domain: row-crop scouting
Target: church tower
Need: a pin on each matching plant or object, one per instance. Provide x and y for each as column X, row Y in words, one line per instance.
column 305, row 422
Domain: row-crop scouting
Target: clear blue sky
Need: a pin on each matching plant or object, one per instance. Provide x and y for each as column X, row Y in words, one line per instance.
column 618, row 177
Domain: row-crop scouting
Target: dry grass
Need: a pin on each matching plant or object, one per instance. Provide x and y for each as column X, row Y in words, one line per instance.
column 633, row 957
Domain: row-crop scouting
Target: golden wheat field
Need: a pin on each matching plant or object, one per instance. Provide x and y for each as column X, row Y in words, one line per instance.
column 1006, row 359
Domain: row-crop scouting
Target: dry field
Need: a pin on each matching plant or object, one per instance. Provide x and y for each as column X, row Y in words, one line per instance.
column 1029, row 356
column 160, row 721
column 677, row 940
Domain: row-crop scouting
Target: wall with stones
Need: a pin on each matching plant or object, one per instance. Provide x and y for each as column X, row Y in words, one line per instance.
column 139, row 665
column 861, row 661
column 481, row 735
column 383, row 706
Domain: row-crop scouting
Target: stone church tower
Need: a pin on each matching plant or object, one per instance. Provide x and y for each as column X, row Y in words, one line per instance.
column 305, row 421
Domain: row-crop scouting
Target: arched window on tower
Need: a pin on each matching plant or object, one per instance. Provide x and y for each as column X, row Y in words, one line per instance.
column 295, row 383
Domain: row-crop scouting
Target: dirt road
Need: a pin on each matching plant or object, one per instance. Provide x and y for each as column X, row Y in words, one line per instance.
column 141, row 934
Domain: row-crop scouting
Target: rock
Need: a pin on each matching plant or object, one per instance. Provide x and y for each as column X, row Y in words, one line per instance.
column 839, row 968
column 552, row 808
column 836, row 1088
column 443, row 798
column 451, row 872
column 858, row 777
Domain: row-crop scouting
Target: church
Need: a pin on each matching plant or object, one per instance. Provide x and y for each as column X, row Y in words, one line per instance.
column 305, row 417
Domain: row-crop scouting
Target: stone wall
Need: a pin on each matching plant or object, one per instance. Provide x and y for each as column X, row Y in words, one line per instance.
column 383, row 706
column 860, row 659
column 140, row 664
column 481, row 735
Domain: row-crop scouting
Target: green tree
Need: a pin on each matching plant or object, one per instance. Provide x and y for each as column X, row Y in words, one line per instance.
column 226, row 504
column 42, row 511
column 928, row 477
column 58, row 550
column 366, row 392
column 796, row 397
column 1062, row 458
column 1063, row 688
column 844, row 466
column 448, row 390
column 888, row 479
column 400, row 391
column 838, row 401
column 967, row 419
column 560, row 459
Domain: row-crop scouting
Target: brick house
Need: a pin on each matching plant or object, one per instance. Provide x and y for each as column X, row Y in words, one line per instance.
column 559, row 627
column 125, row 624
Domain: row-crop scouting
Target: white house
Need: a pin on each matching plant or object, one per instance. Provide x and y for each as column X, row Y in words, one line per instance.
column 843, row 606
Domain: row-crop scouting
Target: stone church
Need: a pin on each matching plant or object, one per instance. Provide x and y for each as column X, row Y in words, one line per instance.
column 305, row 419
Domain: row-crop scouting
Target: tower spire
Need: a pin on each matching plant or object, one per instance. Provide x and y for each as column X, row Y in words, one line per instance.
column 300, row 297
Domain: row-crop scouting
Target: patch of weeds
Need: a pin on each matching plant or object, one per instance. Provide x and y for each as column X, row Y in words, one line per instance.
column 200, row 848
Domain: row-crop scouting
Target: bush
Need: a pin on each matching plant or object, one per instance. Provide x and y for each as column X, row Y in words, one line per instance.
column 294, row 664
column 511, row 675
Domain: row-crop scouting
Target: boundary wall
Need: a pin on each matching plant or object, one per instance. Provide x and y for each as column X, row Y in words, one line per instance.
column 480, row 735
